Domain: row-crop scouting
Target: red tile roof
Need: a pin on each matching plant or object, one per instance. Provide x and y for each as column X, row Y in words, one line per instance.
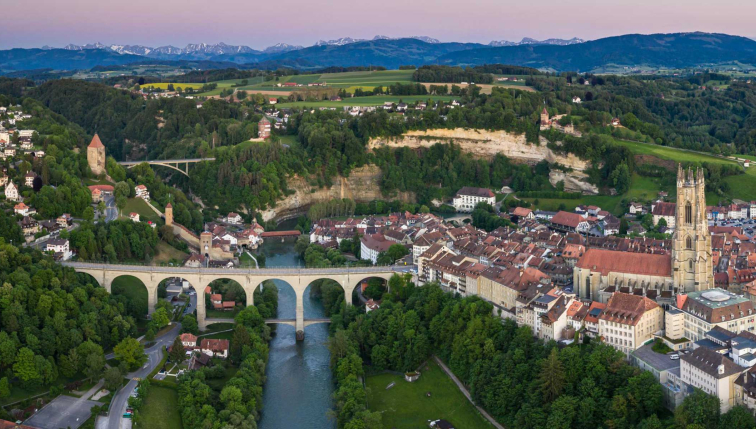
column 627, row 309
column 567, row 219
column 607, row 261
column 96, row 143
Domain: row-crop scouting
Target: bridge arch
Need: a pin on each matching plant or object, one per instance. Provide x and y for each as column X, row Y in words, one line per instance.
column 134, row 291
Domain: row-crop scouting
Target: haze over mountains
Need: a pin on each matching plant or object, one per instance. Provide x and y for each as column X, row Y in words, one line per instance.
column 674, row 50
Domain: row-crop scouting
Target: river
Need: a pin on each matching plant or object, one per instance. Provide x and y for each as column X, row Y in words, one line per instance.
column 298, row 390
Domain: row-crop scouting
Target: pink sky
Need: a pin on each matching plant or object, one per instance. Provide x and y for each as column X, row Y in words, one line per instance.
column 259, row 24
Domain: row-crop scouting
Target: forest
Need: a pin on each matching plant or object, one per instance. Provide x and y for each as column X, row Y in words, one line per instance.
column 520, row 380
column 54, row 323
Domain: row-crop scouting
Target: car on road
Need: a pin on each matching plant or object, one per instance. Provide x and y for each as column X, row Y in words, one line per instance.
column 126, row 415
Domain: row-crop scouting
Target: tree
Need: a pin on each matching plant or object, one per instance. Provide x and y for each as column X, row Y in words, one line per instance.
column 4, row 387
column 552, row 376
column 131, row 352
column 396, row 252
column 160, row 319
column 698, row 408
column 177, row 353
column 25, row 368
column 88, row 214
column 189, row 324
column 113, row 378
column 94, row 365
column 739, row 417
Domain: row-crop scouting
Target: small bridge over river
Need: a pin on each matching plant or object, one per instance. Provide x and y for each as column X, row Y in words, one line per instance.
column 299, row 278
column 290, row 322
column 170, row 163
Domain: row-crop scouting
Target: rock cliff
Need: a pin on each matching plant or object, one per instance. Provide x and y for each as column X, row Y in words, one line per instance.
column 574, row 181
column 362, row 185
column 484, row 144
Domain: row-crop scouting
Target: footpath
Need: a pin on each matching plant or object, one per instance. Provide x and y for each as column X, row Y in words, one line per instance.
column 466, row 393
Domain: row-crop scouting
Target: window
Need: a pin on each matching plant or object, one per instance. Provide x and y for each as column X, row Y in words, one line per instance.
column 688, row 243
column 688, row 214
column 690, row 264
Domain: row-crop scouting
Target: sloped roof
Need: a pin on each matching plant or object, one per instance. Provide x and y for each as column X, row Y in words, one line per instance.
column 607, row 261
column 96, row 143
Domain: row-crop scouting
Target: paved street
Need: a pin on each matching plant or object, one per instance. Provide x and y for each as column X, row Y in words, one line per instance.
column 120, row 401
column 111, row 211
column 65, row 411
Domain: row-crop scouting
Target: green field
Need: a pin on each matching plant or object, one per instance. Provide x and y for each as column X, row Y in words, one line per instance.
column 166, row 253
column 164, row 85
column 373, row 100
column 133, row 289
column 671, row 153
column 138, row 205
column 642, row 189
column 406, row 405
column 161, row 410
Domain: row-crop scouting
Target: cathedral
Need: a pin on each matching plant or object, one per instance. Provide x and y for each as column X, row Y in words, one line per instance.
column 692, row 268
column 601, row 272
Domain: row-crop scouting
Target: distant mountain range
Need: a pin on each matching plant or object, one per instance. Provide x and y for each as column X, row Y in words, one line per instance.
column 529, row 41
column 675, row 50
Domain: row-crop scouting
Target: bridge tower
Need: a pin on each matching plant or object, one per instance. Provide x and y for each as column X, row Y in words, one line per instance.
column 169, row 215
column 96, row 156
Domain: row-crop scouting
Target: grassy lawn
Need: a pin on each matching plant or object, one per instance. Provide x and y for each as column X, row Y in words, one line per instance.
column 161, row 409
column 373, row 100
column 166, row 253
column 219, row 383
column 220, row 314
column 406, row 405
column 214, row 327
column 138, row 205
column 219, row 335
column 674, row 154
column 642, row 189
column 133, row 289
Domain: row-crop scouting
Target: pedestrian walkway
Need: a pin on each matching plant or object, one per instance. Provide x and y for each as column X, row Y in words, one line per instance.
column 466, row 393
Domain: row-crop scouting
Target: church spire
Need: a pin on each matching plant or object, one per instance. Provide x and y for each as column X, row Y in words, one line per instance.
column 680, row 175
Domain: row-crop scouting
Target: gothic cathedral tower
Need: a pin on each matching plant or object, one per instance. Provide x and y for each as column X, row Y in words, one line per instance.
column 96, row 156
column 692, row 268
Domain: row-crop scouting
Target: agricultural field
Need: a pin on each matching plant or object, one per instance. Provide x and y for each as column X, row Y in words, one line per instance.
column 408, row 405
column 176, row 86
column 373, row 100
column 671, row 153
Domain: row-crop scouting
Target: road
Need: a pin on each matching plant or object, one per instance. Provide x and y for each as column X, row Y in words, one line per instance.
column 111, row 211
column 154, row 356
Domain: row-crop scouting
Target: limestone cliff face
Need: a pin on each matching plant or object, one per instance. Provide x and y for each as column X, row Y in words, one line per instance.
column 484, row 144
column 574, row 181
column 362, row 185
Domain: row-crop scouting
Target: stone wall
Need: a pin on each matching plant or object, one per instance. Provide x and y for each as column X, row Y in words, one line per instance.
column 362, row 185
column 484, row 144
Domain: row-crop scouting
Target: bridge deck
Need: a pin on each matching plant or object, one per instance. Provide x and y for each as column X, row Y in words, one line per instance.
column 293, row 233
column 227, row 271
column 166, row 161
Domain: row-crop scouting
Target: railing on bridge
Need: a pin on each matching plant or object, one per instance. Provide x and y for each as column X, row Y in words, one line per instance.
column 252, row 271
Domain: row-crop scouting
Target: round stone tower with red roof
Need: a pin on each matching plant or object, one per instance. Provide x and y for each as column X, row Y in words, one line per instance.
column 96, row 156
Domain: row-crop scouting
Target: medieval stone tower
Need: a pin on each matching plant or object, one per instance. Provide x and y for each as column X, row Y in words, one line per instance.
column 692, row 268
column 96, row 156
column 168, row 214
column 206, row 244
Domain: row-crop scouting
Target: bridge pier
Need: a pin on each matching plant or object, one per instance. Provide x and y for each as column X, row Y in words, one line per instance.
column 152, row 297
column 201, row 310
column 299, row 325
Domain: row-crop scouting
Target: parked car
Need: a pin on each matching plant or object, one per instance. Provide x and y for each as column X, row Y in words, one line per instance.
column 674, row 357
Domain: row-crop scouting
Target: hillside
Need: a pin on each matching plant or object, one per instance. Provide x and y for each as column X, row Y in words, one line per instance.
column 655, row 50
column 61, row 59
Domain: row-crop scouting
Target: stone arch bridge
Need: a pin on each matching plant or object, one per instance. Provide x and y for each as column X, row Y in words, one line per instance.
column 249, row 279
